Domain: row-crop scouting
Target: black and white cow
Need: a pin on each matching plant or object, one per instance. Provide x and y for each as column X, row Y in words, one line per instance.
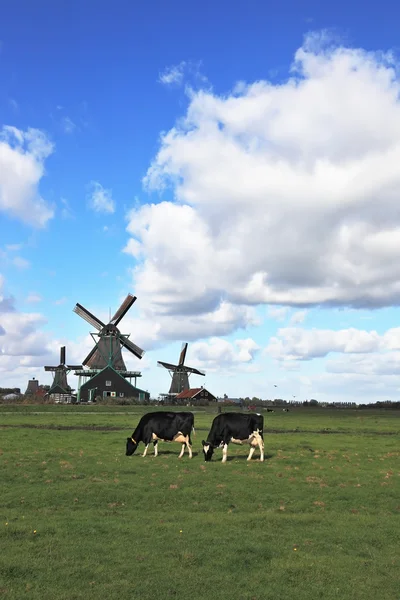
column 164, row 426
column 236, row 428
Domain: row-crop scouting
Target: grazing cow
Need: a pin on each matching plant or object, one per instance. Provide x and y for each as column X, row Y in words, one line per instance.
column 285, row 409
column 270, row 410
column 164, row 426
column 236, row 428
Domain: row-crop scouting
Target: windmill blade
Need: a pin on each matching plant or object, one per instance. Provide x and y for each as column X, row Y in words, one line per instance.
column 166, row 365
column 74, row 367
column 62, row 355
column 85, row 314
column 192, row 370
column 123, row 309
column 136, row 350
column 182, row 355
column 89, row 356
column 51, row 369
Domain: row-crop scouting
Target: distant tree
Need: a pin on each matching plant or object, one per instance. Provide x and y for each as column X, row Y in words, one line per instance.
column 313, row 402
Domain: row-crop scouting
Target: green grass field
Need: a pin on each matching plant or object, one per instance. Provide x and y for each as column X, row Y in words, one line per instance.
column 320, row 518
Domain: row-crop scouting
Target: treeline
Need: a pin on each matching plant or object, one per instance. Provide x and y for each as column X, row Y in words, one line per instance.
column 5, row 391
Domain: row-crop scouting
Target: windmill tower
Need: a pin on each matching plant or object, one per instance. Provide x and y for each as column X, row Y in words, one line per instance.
column 105, row 364
column 180, row 372
column 60, row 385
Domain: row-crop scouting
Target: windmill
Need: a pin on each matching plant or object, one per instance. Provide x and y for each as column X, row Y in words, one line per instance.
column 105, row 374
column 107, row 349
column 60, row 384
column 180, row 372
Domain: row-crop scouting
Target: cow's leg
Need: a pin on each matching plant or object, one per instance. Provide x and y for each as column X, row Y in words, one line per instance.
column 224, row 452
column 182, row 451
column 252, row 449
column 188, row 444
column 189, row 447
column 145, row 450
column 155, row 448
column 261, row 446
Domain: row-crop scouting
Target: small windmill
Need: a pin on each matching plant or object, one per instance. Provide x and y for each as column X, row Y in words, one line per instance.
column 108, row 346
column 180, row 372
column 60, row 383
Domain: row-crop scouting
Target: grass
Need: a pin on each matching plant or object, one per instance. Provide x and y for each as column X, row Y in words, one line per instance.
column 318, row 519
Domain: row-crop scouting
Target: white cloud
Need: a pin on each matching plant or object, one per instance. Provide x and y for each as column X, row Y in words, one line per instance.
column 100, row 199
column 66, row 211
column 298, row 317
column 189, row 71
column 295, row 343
column 283, row 194
column 173, row 74
column 60, row 301
column 33, row 297
column 20, row 263
column 22, row 162
column 278, row 313
column 217, row 353
column 68, row 125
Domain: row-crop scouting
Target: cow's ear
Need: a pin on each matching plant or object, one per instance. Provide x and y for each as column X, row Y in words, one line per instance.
column 203, row 442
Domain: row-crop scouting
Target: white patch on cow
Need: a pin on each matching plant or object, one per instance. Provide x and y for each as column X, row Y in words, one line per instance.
column 145, row 450
column 155, row 449
column 155, row 437
column 206, row 448
column 182, row 451
column 224, row 453
column 179, row 437
column 254, row 440
column 252, row 450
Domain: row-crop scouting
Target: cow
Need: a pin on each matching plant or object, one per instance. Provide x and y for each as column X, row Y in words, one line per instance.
column 270, row 410
column 285, row 409
column 164, row 426
column 237, row 428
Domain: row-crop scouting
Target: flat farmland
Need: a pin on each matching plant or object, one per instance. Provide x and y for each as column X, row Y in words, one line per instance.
column 320, row 518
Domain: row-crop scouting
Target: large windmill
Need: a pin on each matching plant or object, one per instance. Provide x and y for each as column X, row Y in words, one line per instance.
column 180, row 372
column 60, row 384
column 107, row 349
column 105, row 360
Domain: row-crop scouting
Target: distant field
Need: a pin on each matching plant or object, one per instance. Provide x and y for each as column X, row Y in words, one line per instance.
column 318, row 519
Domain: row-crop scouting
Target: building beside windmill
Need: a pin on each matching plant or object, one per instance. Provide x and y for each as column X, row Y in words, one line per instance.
column 179, row 375
column 106, row 374
column 195, row 396
column 59, row 390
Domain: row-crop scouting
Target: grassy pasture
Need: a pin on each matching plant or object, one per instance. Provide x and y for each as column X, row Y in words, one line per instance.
column 320, row 518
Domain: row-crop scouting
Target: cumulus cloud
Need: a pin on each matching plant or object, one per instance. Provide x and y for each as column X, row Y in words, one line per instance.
column 278, row 313
column 217, row 353
column 298, row 317
column 22, row 166
column 295, row 343
column 100, row 200
column 283, row 194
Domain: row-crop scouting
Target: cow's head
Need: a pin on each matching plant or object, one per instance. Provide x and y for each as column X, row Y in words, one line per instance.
column 208, row 450
column 131, row 446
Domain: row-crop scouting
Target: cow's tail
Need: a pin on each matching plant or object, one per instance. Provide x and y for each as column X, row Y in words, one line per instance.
column 193, row 430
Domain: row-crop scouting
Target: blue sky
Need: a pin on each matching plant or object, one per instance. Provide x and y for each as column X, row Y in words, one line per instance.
column 232, row 164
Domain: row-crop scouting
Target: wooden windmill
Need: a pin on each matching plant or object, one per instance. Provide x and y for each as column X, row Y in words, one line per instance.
column 60, row 383
column 105, row 367
column 110, row 341
column 180, row 372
